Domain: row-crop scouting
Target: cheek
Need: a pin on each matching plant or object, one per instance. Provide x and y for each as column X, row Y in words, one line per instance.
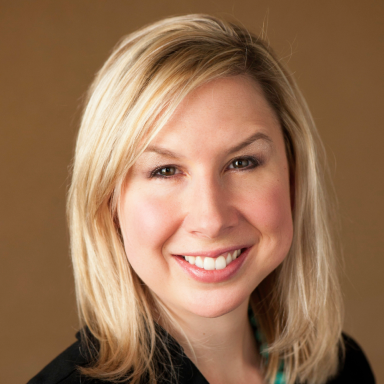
column 145, row 228
column 147, row 222
column 274, row 210
column 269, row 211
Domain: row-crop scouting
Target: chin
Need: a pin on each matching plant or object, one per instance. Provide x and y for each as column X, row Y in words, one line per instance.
column 213, row 305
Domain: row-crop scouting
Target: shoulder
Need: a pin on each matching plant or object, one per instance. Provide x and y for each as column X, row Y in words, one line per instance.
column 64, row 368
column 354, row 368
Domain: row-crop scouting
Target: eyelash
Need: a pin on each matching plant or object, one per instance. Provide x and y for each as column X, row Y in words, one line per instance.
column 253, row 160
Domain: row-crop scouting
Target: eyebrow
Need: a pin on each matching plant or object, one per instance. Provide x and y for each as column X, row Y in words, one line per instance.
column 251, row 139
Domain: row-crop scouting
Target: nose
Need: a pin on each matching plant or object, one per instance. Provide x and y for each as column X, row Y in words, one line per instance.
column 210, row 211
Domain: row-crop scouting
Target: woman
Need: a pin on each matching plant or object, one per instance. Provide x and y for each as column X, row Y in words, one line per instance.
column 200, row 227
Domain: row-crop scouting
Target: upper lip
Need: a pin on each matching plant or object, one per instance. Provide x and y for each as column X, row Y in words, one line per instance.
column 213, row 253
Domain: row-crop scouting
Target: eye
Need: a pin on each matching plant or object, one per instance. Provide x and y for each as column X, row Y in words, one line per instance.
column 244, row 163
column 241, row 163
column 167, row 171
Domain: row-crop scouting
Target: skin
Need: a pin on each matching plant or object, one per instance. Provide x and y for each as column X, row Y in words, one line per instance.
column 205, row 201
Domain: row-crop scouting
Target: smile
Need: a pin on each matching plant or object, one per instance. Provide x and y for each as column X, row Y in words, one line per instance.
column 213, row 267
column 210, row 263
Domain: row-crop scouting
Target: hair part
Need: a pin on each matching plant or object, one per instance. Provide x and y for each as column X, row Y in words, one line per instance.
column 299, row 305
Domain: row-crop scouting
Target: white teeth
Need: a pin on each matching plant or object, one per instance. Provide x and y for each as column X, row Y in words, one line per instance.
column 199, row 262
column 220, row 262
column 210, row 263
column 236, row 254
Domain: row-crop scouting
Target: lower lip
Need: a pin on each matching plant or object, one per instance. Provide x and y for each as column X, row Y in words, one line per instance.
column 214, row 276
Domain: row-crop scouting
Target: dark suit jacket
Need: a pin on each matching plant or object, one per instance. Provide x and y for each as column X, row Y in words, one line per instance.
column 63, row 369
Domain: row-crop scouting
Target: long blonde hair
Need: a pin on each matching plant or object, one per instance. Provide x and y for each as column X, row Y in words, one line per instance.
column 298, row 306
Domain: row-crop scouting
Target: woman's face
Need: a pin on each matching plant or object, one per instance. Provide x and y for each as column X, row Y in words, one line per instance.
column 213, row 182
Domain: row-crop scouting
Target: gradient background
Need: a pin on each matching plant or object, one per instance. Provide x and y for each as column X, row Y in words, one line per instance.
column 50, row 51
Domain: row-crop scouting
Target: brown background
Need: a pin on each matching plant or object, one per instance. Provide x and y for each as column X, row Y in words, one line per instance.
column 49, row 53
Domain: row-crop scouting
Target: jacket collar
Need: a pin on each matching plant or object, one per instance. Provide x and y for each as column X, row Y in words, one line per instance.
column 185, row 370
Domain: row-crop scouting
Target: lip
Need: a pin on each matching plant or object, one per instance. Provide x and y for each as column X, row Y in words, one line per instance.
column 217, row 275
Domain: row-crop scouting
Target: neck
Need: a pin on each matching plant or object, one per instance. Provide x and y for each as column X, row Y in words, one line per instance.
column 224, row 349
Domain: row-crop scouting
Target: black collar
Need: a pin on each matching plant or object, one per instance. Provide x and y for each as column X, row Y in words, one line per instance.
column 185, row 370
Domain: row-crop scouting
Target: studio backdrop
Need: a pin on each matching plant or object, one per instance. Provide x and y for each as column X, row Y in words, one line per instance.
column 50, row 51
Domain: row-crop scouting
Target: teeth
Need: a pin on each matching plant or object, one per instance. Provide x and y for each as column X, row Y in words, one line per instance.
column 220, row 262
column 210, row 263
column 199, row 262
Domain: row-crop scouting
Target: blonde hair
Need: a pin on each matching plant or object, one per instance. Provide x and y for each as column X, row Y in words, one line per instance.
column 298, row 306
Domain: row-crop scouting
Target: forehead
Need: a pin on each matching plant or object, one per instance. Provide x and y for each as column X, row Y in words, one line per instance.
column 218, row 113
